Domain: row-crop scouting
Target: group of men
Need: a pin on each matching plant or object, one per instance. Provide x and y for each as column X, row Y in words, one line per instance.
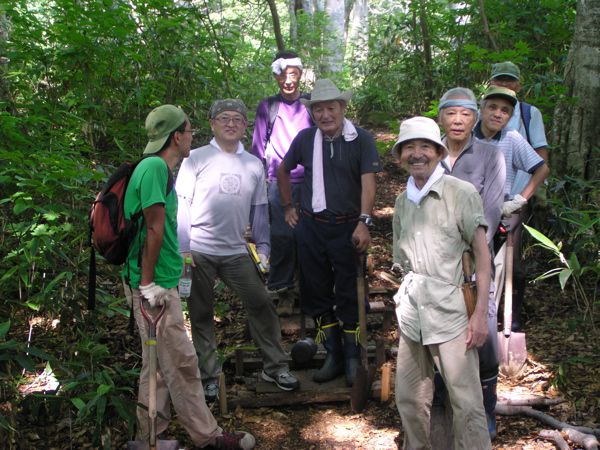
column 307, row 192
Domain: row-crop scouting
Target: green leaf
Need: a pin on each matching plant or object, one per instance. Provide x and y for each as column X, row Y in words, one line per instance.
column 103, row 389
column 4, row 327
column 79, row 404
column 542, row 239
column 563, row 277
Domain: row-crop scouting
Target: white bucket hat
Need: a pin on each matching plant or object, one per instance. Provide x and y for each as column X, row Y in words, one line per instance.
column 326, row 91
column 418, row 128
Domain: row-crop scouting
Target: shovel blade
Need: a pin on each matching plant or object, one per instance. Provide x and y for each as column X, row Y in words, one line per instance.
column 160, row 445
column 360, row 390
column 512, row 353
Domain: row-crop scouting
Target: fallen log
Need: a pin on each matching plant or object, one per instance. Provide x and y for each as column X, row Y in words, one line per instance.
column 512, row 410
column 588, row 441
column 556, row 437
column 529, row 400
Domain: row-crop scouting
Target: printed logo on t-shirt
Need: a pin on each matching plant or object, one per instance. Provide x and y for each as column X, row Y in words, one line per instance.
column 230, row 184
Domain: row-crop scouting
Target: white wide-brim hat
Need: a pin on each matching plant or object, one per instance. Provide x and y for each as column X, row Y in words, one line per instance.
column 418, row 128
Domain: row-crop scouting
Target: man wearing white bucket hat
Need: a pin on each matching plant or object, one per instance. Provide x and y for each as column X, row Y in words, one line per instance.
column 331, row 226
column 435, row 220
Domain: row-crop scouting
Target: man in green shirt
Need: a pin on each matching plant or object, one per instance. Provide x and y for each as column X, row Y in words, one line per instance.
column 435, row 221
column 152, row 272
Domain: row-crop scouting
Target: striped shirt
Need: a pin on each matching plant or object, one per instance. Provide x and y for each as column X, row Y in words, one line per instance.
column 518, row 154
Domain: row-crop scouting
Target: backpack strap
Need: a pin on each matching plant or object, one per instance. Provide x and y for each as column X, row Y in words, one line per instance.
column 273, row 108
column 526, row 117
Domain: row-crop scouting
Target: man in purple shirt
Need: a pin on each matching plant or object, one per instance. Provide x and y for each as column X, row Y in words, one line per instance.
column 278, row 119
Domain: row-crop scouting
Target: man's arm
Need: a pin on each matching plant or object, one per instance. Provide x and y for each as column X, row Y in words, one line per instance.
column 285, row 193
column 360, row 236
column 154, row 217
column 538, row 177
column 260, row 130
column 477, row 329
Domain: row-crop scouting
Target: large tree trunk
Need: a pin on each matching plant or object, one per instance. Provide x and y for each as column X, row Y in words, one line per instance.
column 576, row 133
column 336, row 39
column 358, row 31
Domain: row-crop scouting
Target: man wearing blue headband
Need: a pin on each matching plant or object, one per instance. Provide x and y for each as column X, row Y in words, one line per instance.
column 482, row 165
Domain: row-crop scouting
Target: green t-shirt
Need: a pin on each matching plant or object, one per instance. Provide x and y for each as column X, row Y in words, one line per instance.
column 147, row 187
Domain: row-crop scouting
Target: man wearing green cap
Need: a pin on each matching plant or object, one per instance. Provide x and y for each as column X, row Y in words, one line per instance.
column 222, row 189
column 152, row 272
column 496, row 109
column 528, row 121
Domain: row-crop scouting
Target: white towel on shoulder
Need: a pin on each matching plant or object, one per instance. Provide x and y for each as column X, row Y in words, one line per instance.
column 319, row 202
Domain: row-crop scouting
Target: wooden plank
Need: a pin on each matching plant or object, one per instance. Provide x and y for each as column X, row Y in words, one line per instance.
column 386, row 371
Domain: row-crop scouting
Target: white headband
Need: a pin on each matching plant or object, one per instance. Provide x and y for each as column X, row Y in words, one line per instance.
column 280, row 64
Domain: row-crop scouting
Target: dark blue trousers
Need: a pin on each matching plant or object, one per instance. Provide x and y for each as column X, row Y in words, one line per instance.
column 327, row 260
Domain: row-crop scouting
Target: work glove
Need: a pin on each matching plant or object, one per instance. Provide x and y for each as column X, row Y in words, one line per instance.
column 513, row 205
column 155, row 294
column 264, row 261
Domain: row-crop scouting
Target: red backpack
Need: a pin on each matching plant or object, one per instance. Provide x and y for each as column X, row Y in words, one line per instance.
column 110, row 233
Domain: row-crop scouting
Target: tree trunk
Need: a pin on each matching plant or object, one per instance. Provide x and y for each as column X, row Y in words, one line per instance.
column 358, row 31
column 336, row 37
column 276, row 25
column 576, row 134
column 427, row 58
column 486, row 26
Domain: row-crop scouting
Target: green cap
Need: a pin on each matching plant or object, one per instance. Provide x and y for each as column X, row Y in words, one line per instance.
column 228, row 104
column 506, row 68
column 160, row 123
column 501, row 92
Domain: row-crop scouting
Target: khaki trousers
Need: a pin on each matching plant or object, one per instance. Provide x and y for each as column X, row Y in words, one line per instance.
column 414, row 392
column 178, row 377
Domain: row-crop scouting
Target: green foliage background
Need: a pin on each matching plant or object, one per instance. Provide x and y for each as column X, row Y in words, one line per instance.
column 77, row 79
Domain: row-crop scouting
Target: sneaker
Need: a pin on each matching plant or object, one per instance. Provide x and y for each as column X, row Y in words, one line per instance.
column 284, row 380
column 238, row 440
column 211, row 392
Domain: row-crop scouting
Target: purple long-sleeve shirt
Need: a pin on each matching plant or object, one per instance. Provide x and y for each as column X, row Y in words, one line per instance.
column 292, row 117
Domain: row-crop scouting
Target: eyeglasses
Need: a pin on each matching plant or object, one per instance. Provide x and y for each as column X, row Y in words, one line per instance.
column 224, row 120
column 193, row 131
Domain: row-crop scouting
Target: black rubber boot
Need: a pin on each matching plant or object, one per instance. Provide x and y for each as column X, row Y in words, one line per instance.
column 488, row 388
column 328, row 333
column 351, row 352
column 519, row 293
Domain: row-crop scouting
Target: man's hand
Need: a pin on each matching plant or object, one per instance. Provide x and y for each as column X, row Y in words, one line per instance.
column 477, row 331
column 291, row 216
column 513, row 205
column 361, row 237
column 264, row 261
column 155, row 294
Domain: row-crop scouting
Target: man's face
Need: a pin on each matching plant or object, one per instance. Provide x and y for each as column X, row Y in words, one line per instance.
column 507, row 82
column 457, row 122
column 328, row 116
column 495, row 114
column 185, row 140
column 420, row 157
column 289, row 80
column 228, row 126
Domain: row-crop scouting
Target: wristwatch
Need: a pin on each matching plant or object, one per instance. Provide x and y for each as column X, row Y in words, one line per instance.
column 366, row 219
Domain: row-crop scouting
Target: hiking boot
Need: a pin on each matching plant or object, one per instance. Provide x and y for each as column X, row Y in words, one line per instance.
column 328, row 332
column 285, row 305
column 351, row 353
column 211, row 392
column 238, row 440
column 284, row 380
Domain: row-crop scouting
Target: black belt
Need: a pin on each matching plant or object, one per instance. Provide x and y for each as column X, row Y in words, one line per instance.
column 330, row 218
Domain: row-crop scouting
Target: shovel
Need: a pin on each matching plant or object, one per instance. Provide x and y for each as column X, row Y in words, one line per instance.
column 152, row 443
column 365, row 373
column 512, row 347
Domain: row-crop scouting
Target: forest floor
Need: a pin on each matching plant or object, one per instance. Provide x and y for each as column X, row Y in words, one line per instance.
column 563, row 361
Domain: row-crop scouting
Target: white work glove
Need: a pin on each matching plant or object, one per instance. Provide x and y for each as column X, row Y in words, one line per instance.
column 513, row 205
column 155, row 294
column 264, row 261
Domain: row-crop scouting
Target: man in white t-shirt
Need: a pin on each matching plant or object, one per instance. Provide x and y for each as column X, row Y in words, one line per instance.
column 221, row 189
